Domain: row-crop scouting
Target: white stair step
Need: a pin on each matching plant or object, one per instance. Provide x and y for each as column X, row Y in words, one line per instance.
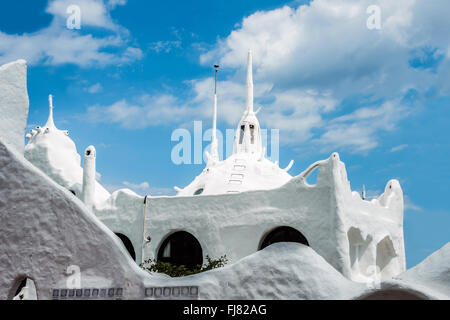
column 237, row 176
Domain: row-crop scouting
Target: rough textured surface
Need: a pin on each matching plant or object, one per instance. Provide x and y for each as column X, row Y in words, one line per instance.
column 332, row 218
column 433, row 272
column 42, row 236
column 280, row 271
column 13, row 103
column 428, row 280
column 45, row 229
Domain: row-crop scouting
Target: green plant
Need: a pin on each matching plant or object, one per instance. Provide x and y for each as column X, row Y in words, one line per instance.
column 152, row 265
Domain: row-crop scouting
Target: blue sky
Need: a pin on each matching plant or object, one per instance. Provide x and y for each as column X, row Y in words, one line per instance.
column 138, row 70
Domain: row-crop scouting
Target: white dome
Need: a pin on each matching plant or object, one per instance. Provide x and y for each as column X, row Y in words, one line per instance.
column 240, row 172
column 52, row 151
column 247, row 168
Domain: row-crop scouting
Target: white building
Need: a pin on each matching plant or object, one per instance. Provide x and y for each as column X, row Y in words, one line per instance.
column 54, row 247
column 239, row 205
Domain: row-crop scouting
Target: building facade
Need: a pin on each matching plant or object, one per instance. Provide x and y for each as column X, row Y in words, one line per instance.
column 238, row 206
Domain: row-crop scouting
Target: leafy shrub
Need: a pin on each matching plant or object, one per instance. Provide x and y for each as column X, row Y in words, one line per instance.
column 152, row 265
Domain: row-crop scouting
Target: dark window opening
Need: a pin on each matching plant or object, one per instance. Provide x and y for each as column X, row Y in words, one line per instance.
column 283, row 234
column 198, row 191
column 181, row 248
column 24, row 289
column 128, row 245
column 241, row 135
column 21, row 286
column 252, row 133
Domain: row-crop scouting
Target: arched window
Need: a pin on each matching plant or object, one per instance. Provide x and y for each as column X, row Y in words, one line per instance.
column 24, row 290
column 385, row 259
column 241, row 134
column 283, row 234
column 394, row 294
column 252, row 133
column 181, row 248
column 128, row 245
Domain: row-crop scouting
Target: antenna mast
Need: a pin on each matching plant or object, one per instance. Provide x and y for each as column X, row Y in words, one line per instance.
column 214, row 147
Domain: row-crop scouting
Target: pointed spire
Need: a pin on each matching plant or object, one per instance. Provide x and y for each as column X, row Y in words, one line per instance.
column 50, row 122
column 249, row 96
column 248, row 133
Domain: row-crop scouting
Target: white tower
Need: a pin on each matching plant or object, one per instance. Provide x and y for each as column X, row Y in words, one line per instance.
column 248, row 133
column 89, row 177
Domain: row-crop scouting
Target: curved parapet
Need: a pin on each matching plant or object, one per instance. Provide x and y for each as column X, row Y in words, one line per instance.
column 393, row 198
column 368, row 235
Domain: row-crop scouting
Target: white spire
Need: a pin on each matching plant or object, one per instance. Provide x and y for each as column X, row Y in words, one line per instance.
column 249, row 96
column 50, row 122
column 248, row 133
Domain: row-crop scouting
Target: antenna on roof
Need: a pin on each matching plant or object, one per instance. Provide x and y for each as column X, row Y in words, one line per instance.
column 216, row 66
column 214, row 151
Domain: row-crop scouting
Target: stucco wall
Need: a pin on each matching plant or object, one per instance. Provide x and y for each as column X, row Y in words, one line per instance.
column 45, row 229
column 235, row 224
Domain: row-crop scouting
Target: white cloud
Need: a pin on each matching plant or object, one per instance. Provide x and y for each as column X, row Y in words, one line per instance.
column 95, row 88
column 168, row 109
column 399, row 148
column 56, row 45
column 114, row 3
column 357, row 131
column 94, row 13
column 307, row 61
column 326, row 45
column 149, row 111
column 326, row 48
column 165, row 46
column 410, row 206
